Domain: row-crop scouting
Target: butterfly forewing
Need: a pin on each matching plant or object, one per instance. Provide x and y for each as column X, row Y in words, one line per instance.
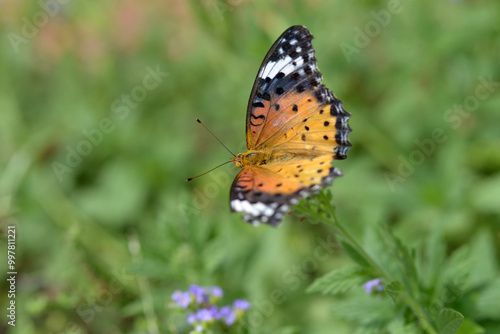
column 289, row 62
column 288, row 100
column 319, row 125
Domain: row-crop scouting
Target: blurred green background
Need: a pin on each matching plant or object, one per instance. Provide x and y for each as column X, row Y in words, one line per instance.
column 98, row 102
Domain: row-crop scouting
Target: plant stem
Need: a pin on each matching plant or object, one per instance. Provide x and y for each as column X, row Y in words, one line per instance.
column 408, row 299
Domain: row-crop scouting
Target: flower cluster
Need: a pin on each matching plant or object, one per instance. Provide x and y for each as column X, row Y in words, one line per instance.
column 373, row 285
column 204, row 313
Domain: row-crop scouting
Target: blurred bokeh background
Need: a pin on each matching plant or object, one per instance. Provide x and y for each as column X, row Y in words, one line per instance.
column 97, row 136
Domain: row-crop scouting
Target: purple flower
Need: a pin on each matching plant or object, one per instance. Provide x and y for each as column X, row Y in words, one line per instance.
column 215, row 311
column 176, row 295
column 197, row 329
column 199, row 293
column 230, row 318
column 191, row 318
column 205, row 311
column 373, row 285
column 204, row 315
column 216, row 291
column 225, row 310
column 228, row 315
column 181, row 298
column 241, row 304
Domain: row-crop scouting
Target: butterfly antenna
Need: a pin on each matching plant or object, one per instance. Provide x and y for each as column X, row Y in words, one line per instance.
column 189, row 179
column 198, row 120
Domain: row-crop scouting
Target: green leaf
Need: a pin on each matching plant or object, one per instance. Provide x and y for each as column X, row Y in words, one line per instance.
column 458, row 268
column 354, row 254
column 312, row 208
column 488, row 302
column 393, row 290
column 406, row 260
column 449, row 321
column 338, row 281
column 485, row 194
column 365, row 310
column 393, row 256
column 470, row 327
column 434, row 256
column 485, row 264
column 398, row 326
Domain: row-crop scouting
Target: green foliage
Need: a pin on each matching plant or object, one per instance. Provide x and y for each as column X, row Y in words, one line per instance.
column 422, row 305
column 449, row 321
column 338, row 281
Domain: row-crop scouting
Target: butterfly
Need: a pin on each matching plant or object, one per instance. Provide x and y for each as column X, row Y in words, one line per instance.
column 295, row 128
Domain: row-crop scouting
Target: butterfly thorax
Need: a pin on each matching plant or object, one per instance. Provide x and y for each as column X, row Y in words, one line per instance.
column 252, row 158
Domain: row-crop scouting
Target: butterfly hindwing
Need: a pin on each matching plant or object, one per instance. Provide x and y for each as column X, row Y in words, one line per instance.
column 264, row 194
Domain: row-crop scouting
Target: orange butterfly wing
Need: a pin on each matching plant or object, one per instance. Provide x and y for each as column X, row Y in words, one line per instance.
column 287, row 92
column 298, row 123
column 264, row 194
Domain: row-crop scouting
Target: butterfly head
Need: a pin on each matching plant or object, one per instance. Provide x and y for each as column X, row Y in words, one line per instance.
column 237, row 160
